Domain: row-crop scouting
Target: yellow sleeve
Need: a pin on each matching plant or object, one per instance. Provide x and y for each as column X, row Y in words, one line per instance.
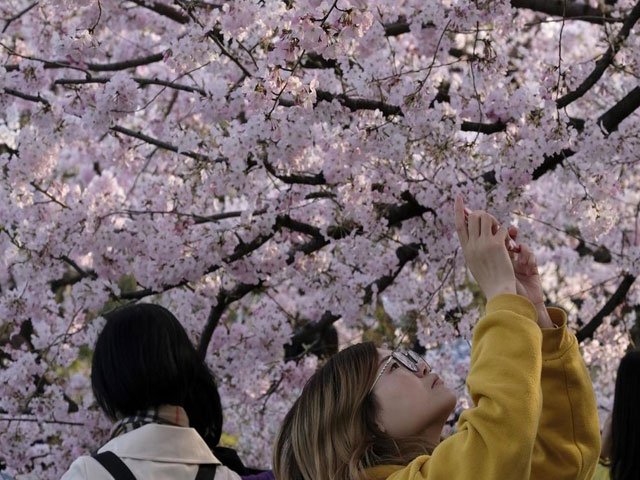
column 495, row 438
column 568, row 441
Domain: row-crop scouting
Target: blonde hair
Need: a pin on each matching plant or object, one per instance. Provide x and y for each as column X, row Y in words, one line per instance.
column 331, row 433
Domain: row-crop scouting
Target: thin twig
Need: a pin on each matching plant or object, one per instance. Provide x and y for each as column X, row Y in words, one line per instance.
column 26, row 96
column 18, row 15
column 141, row 81
column 48, row 195
column 39, row 420
column 162, row 144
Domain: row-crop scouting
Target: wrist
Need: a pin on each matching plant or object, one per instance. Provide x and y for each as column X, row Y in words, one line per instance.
column 544, row 320
column 500, row 290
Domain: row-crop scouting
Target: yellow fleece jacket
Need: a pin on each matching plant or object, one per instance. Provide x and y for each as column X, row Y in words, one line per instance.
column 535, row 412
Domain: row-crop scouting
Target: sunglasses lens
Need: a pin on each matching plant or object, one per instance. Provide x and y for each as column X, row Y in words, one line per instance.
column 417, row 360
column 414, row 357
column 407, row 361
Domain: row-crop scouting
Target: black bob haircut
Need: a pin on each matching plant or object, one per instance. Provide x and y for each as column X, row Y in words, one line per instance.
column 143, row 358
column 625, row 458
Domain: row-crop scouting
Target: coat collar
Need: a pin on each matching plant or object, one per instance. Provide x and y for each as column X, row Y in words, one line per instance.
column 162, row 443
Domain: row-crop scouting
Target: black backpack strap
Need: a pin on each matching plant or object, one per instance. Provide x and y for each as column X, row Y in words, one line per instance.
column 112, row 464
column 206, row 471
column 119, row 471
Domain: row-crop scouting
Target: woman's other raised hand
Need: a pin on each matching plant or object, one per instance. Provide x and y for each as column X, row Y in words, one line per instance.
column 485, row 252
column 528, row 283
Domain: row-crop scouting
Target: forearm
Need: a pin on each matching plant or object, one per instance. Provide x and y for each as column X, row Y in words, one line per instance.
column 568, row 441
column 544, row 320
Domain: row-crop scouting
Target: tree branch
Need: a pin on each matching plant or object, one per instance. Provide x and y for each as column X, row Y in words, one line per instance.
column 621, row 110
column 285, row 221
column 18, row 15
column 604, row 61
column 77, row 268
column 223, row 300
column 566, row 9
column 486, row 128
column 177, row 16
column 317, row 179
column 355, row 104
column 609, row 121
column 163, row 145
column 164, row 10
column 551, row 162
column 214, row 36
column 26, row 96
column 39, row 420
column 394, row 215
column 95, row 67
column 117, row 66
column 616, row 299
column 4, row 148
column 308, row 335
column 66, row 280
column 311, row 333
column 405, row 254
column 241, row 250
column 398, row 213
column 139, row 80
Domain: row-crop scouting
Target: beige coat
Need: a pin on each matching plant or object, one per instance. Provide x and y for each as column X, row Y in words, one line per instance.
column 154, row 451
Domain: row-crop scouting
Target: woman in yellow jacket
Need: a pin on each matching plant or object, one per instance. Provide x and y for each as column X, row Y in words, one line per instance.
column 374, row 414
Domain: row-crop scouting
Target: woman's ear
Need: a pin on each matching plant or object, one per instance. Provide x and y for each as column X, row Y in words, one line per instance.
column 380, row 426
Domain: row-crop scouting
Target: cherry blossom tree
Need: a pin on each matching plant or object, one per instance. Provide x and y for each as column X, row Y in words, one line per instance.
column 280, row 174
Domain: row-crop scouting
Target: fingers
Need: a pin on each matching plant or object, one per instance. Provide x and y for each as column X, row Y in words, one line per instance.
column 512, row 246
column 474, row 224
column 527, row 261
column 488, row 224
column 526, row 255
column 484, row 252
column 480, row 223
column 461, row 225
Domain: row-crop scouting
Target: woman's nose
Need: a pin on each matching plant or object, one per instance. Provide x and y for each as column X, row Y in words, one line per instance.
column 423, row 370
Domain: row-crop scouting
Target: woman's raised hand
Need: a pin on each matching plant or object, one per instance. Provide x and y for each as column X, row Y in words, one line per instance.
column 528, row 282
column 485, row 252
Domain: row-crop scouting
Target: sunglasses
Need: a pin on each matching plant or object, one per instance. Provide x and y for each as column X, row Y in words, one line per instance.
column 407, row 358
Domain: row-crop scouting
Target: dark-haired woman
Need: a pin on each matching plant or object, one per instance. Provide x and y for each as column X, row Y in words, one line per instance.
column 377, row 414
column 147, row 376
column 620, row 457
